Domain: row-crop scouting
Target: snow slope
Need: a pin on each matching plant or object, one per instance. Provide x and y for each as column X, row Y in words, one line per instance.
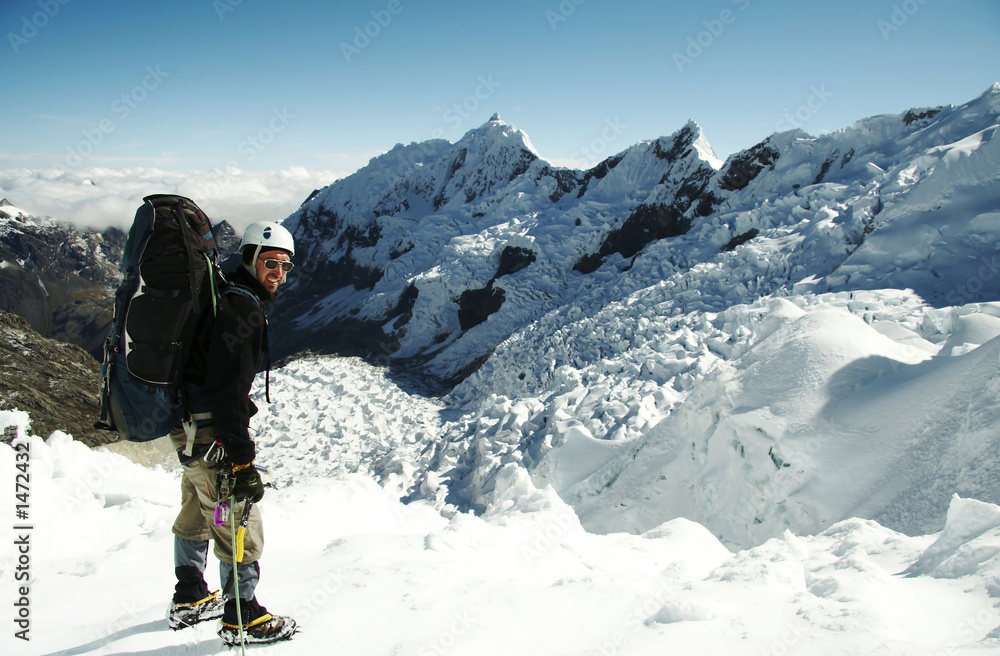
column 364, row 573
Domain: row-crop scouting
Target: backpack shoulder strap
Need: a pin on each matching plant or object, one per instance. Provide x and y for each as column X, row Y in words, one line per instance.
column 236, row 288
column 242, row 290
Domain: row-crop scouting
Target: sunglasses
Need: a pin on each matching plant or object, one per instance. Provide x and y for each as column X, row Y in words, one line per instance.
column 285, row 265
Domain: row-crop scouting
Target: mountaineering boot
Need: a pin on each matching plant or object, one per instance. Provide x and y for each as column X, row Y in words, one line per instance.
column 266, row 628
column 184, row 614
column 259, row 626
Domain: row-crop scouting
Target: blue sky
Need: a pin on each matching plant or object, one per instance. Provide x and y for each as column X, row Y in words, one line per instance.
column 264, row 85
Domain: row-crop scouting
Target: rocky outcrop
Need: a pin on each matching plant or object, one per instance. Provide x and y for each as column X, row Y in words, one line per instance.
column 54, row 382
column 476, row 305
column 60, row 279
column 747, row 165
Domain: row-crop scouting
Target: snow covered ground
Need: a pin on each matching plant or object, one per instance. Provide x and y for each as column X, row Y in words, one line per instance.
column 364, row 573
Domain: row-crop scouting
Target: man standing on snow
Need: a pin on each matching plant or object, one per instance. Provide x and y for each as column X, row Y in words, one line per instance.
column 218, row 376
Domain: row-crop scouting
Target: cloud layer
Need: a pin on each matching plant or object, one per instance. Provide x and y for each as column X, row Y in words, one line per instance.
column 101, row 197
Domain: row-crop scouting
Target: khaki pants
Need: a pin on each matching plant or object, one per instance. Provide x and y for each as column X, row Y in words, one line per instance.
column 196, row 520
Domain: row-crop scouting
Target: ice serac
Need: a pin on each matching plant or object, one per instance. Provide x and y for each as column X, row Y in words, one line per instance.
column 736, row 372
column 665, row 335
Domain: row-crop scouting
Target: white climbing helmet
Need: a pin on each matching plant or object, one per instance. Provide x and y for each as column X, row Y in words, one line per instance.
column 266, row 235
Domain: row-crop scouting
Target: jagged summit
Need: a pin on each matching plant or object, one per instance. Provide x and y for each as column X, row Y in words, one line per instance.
column 436, row 252
column 702, row 145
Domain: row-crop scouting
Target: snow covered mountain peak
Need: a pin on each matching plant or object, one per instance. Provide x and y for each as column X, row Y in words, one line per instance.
column 486, row 157
column 493, row 133
column 702, row 146
column 422, row 236
column 990, row 97
column 412, row 254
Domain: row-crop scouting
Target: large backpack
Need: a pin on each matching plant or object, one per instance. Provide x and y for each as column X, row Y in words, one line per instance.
column 170, row 278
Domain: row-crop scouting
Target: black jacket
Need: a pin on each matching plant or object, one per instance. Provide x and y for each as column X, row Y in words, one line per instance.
column 224, row 360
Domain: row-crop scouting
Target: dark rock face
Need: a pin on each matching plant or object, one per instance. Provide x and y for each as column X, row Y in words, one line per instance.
column 646, row 224
column 56, row 383
column 824, row 170
column 652, row 222
column 226, row 239
column 60, row 279
column 476, row 305
column 746, row 166
column 403, row 311
column 513, row 259
column 741, row 239
column 566, row 181
column 912, row 115
column 680, row 147
column 599, row 172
